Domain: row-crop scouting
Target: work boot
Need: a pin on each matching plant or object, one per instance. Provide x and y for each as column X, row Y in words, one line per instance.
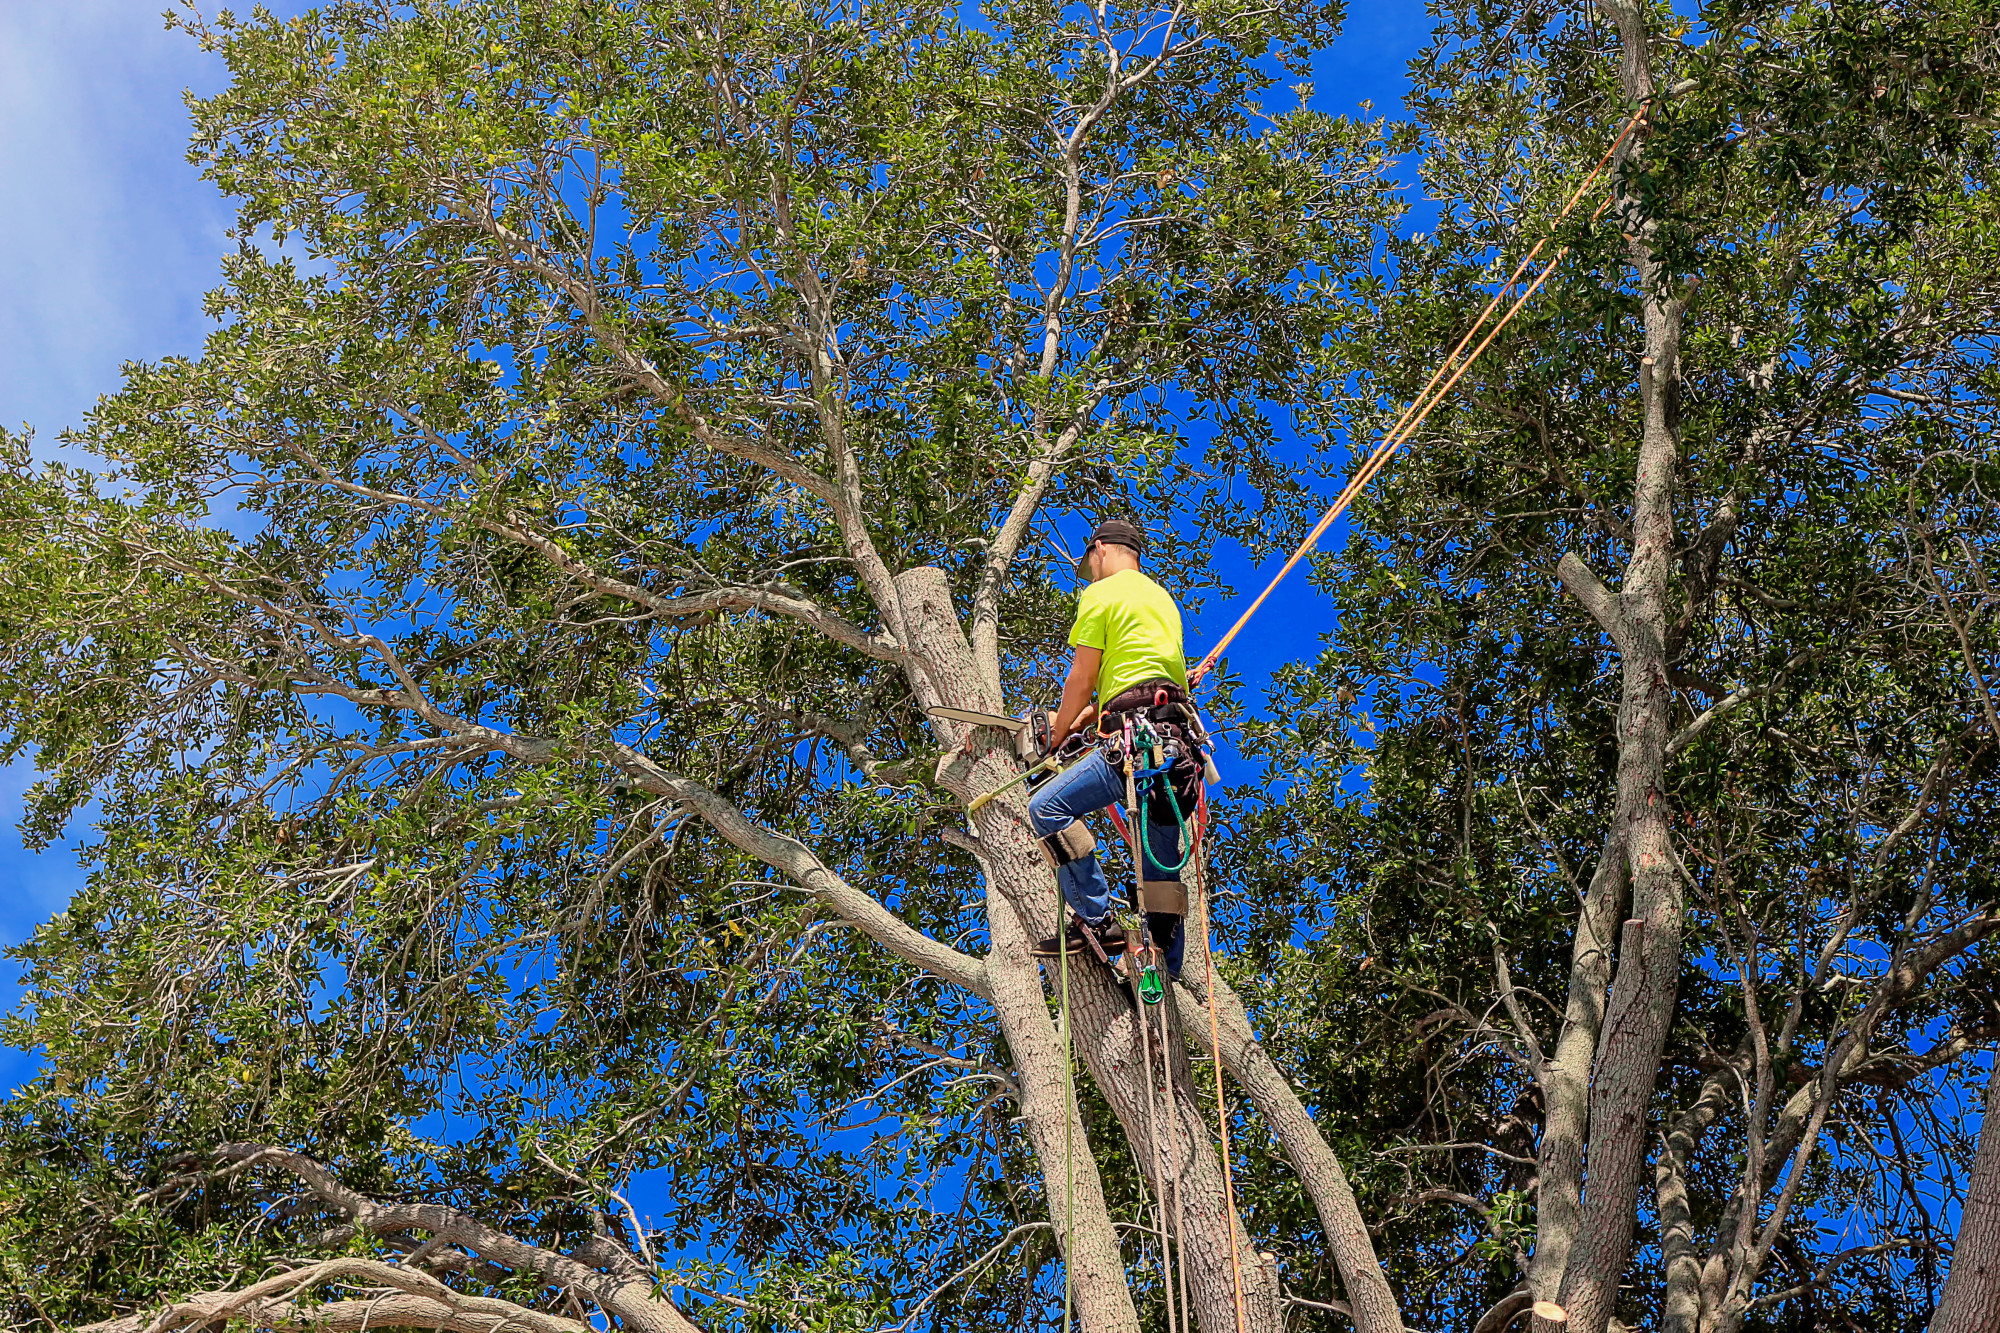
column 1110, row 938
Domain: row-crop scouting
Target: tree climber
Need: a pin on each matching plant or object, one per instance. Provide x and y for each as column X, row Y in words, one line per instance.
column 1128, row 660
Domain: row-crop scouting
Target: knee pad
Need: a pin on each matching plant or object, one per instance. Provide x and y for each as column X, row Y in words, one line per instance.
column 1167, row 897
column 1068, row 844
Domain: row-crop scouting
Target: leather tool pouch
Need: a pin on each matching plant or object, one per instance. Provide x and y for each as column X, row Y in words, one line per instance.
column 1163, row 895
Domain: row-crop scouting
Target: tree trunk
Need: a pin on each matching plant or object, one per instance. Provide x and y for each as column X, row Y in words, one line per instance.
column 1566, row 1079
column 1633, row 1037
column 1367, row 1288
column 1017, row 913
column 1687, row 1279
column 1021, row 904
column 1971, row 1299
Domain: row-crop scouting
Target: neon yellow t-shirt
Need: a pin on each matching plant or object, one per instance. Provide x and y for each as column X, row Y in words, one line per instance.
column 1136, row 625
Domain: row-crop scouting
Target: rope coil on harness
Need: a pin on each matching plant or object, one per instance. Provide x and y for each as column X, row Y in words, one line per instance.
column 1432, row 393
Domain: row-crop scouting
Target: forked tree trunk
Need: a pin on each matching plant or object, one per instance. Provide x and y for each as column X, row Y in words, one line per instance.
column 1971, row 1299
column 1021, row 902
column 1587, row 1248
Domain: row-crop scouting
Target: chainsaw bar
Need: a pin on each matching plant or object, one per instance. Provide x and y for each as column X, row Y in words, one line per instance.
column 1011, row 724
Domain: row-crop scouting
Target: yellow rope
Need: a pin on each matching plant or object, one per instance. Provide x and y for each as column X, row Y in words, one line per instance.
column 1221, row 1109
column 1180, row 1198
column 1405, row 426
column 1421, row 406
column 1133, row 834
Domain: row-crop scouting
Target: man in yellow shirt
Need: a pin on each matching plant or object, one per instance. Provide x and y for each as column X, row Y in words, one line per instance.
column 1129, row 664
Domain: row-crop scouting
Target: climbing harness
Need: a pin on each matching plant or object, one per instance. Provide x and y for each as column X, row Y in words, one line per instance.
column 1421, row 406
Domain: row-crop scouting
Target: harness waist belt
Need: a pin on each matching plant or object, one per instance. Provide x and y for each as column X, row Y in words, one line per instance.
column 1143, row 694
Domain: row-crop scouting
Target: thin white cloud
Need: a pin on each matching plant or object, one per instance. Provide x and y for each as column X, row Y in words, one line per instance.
column 108, row 240
column 109, row 237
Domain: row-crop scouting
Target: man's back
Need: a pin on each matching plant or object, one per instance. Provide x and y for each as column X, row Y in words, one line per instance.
column 1135, row 624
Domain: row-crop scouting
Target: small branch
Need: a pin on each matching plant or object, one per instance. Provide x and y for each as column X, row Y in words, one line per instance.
column 733, row 597
column 1820, row 1278
column 1334, row 1307
column 1736, row 699
column 1598, row 600
column 972, row 1268
column 791, row 857
column 1537, row 1061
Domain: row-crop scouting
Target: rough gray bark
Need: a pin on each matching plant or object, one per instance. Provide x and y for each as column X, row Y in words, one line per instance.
column 1566, row 1075
column 1682, row 1307
column 1368, row 1293
column 1019, row 910
column 1971, row 1299
column 600, row 1272
column 1633, row 1033
column 430, row 1304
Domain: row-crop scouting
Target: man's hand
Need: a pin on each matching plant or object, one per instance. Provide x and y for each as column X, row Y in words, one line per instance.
column 1082, row 723
column 1077, row 689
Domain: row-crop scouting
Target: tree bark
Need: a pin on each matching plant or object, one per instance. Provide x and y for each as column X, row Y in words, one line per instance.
column 1682, row 1306
column 1021, row 905
column 1625, row 1063
column 1367, row 1288
column 1018, row 911
column 1971, row 1299
column 1566, row 1077
column 403, row 1298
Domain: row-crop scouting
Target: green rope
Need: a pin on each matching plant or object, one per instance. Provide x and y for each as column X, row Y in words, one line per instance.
column 1173, row 803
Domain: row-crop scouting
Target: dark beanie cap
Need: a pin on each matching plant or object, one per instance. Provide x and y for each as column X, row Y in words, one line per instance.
column 1117, row 532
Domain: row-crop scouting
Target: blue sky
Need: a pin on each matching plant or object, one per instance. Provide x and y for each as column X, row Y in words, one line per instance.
column 107, row 245
column 109, row 242
column 113, row 238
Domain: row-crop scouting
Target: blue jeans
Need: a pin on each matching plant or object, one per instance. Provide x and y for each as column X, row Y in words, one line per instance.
column 1092, row 784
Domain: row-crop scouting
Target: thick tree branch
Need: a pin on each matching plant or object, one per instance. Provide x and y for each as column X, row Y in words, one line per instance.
column 1589, row 590
column 732, row 597
column 794, row 859
column 404, row 1298
column 1368, row 1292
column 616, row 1290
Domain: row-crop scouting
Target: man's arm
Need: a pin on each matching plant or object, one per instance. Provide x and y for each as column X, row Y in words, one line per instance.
column 1077, row 689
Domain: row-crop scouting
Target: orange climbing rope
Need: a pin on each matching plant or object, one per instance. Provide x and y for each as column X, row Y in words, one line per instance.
column 1221, row 1106
column 1433, row 393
